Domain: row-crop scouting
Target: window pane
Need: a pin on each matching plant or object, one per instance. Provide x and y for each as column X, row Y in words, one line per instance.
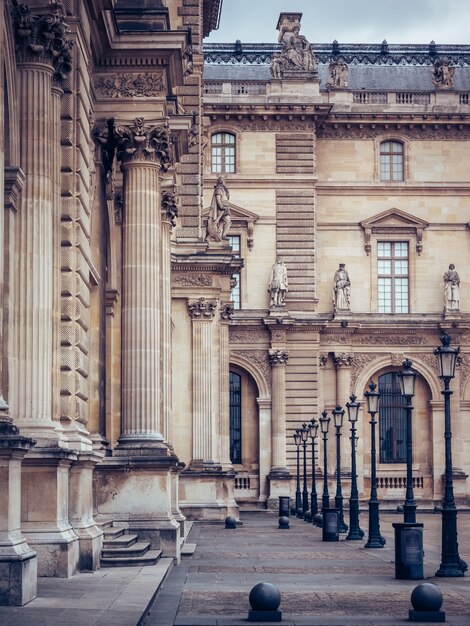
column 401, row 248
column 384, row 267
column 401, row 268
column 235, row 418
column 392, row 420
column 384, row 248
column 391, row 160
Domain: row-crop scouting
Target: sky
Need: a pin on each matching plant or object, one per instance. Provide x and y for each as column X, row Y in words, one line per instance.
column 348, row 21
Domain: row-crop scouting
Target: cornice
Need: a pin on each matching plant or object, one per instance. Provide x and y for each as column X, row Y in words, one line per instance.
column 392, row 189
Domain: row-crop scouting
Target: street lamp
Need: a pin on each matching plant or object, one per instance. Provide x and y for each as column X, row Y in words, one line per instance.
column 338, row 415
column 407, row 385
column 355, row 532
column 304, row 438
column 324, row 425
column 313, row 433
column 375, row 539
column 451, row 563
column 298, row 497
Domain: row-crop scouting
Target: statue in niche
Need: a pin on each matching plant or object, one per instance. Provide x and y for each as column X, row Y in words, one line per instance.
column 338, row 74
column 341, row 289
column 219, row 220
column 278, row 285
column 443, row 77
column 451, row 289
column 296, row 53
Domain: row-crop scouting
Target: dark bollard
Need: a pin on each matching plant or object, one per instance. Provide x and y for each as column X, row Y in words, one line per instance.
column 408, row 551
column 308, row 517
column 284, row 506
column 283, row 522
column 400, row 508
column 318, row 520
column 330, row 525
column 230, row 522
column 264, row 601
column 426, row 600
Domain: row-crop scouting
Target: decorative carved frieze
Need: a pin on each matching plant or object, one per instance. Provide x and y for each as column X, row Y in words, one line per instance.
column 227, row 311
column 42, row 38
column 377, row 339
column 144, row 143
column 202, row 309
column 247, row 336
column 192, row 280
column 142, row 85
column 360, row 362
column 431, row 361
column 278, row 357
column 414, row 131
column 170, row 206
column 343, row 359
column 259, row 359
column 397, row 358
column 278, row 334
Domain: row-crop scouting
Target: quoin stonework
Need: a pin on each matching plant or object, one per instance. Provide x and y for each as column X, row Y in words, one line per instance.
column 203, row 247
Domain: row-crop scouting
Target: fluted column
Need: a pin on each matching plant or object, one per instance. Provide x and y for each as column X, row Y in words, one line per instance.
column 278, row 360
column 226, row 315
column 3, row 404
column 42, row 50
column 202, row 313
column 169, row 213
column 343, row 362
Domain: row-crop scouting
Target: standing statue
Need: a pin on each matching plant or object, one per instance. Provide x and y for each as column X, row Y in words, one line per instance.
column 341, row 289
column 219, row 220
column 296, row 53
column 338, row 74
column 451, row 289
column 443, row 77
column 278, row 286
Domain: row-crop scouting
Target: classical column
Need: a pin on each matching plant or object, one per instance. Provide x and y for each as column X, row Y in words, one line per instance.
column 169, row 213
column 278, row 360
column 40, row 41
column 343, row 362
column 202, row 313
column 226, row 314
column 143, row 151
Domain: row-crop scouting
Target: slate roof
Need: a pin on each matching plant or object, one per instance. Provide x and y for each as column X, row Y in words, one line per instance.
column 371, row 67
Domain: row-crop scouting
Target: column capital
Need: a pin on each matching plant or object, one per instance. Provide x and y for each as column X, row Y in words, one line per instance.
column 42, row 38
column 169, row 206
column 278, row 357
column 226, row 311
column 343, row 359
column 141, row 143
column 202, row 309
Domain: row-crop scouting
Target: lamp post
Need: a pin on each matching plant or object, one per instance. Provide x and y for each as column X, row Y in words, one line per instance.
column 451, row 563
column 338, row 415
column 298, row 496
column 304, row 438
column 375, row 539
column 324, row 425
column 407, row 385
column 313, row 432
column 355, row 532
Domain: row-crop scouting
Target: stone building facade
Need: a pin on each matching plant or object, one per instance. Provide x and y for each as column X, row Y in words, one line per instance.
column 202, row 248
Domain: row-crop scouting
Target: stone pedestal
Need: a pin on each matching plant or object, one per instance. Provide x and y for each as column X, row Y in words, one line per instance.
column 90, row 536
column 18, row 562
column 207, row 494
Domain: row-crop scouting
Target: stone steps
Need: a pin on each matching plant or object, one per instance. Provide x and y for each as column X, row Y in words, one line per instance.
column 150, row 557
column 135, row 549
column 124, row 541
column 122, row 549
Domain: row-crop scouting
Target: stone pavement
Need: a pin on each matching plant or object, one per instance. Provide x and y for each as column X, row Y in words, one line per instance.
column 321, row 584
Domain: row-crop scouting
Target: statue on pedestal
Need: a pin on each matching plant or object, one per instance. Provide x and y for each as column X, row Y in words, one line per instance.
column 278, row 285
column 451, row 289
column 219, row 220
column 341, row 289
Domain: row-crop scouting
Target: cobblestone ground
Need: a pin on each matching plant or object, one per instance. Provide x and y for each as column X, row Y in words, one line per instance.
column 319, row 582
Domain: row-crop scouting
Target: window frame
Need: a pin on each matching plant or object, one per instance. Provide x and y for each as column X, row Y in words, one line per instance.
column 223, row 145
column 387, row 162
column 393, row 275
column 397, row 417
column 397, row 138
column 238, row 275
column 238, row 460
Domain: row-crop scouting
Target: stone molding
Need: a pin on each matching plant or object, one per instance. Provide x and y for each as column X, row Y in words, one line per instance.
column 202, row 309
column 192, row 280
column 141, row 143
column 128, row 85
column 416, row 131
column 169, row 206
column 278, row 357
column 394, row 222
column 42, row 39
column 247, row 336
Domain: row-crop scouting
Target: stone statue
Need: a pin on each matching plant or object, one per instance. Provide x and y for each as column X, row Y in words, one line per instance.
column 219, row 220
column 278, row 286
column 451, row 289
column 341, row 289
column 296, row 53
column 443, row 77
column 338, row 74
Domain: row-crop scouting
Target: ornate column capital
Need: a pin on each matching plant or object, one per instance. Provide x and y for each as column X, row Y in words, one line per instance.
column 202, row 309
column 226, row 311
column 343, row 359
column 42, row 38
column 169, row 207
column 278, row 357
column 141, row 143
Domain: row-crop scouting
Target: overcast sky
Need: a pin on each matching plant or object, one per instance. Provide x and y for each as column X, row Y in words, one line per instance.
column 348, row 21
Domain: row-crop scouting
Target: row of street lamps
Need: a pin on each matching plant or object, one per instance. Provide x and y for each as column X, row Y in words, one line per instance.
column 451, row 563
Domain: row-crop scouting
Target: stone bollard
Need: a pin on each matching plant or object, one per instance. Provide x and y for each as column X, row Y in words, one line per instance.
column 264, row 601
column 230, row 522
column 426, row 600
column 283, row 522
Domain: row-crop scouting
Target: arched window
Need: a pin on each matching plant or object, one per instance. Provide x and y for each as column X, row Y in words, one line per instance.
column 391, row 160
column 235, row 418
column 392, row 420
column 223, row 153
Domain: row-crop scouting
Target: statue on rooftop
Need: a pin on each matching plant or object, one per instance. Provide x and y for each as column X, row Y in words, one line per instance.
column 338, row 74
column 296, row 53
column 443, row 77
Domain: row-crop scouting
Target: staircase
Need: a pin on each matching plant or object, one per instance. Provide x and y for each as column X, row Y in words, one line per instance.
column 121, row 549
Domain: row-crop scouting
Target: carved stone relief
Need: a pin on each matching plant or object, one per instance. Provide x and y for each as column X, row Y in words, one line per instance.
column 343, row 359
column 170, row 206
column 143, row 85
column 247, row 336
column 258, row 358
column 278, row 357
column 202, row 309
column 144, row 143
column 192, row 280
column 443, row 74
column 360, row 362
column 227, row 311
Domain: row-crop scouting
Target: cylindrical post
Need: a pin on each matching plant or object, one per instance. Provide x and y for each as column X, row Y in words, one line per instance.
column 409, row 509
column 342, row 526
column 355, row 531
column 314, row 498
column 325, row 495
column 375, row 539
column 305, row 489
column 278, row 360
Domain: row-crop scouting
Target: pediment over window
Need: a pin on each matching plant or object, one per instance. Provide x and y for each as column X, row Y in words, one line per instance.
column 241, row 218
column 394, row 222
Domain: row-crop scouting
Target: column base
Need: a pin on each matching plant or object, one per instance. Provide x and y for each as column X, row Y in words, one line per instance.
column 19, row 575
column 207, row 492
column 135, row 491
column 279, row 485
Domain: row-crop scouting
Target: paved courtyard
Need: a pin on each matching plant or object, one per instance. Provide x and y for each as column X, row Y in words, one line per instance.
column 321, row 584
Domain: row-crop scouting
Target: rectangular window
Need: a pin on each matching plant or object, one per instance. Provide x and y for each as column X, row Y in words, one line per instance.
column 235, row 293
column 391, row 161
column 393, row 276
column 223, row 153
